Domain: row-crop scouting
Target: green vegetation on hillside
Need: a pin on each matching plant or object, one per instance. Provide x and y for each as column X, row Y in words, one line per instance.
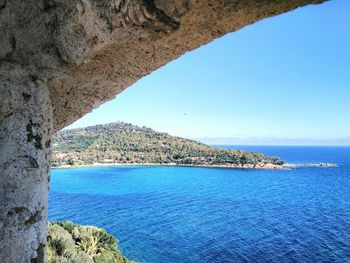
column 126, row 143
column 71, row 243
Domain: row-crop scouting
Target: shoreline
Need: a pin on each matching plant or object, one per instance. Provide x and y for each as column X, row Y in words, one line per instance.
column 269, row 166
column 264, row 167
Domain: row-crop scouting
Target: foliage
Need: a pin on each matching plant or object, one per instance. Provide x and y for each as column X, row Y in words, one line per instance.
column 71, row 243
column 126, row 143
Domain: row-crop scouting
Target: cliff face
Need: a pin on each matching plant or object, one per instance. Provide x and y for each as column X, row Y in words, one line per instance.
column 87, row 51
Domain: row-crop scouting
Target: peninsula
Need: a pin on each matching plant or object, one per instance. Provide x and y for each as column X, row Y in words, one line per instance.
column 123, row 143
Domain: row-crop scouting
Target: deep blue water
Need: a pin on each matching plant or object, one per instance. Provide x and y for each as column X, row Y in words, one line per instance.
column 184, row 214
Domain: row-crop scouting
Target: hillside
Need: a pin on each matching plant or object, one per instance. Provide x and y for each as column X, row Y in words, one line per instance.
column 126, row 143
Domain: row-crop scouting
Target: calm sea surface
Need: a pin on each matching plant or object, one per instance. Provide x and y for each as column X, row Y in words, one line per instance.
column 183, row 214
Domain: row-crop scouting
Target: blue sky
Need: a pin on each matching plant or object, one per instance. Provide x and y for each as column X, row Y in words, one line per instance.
column 284, row 80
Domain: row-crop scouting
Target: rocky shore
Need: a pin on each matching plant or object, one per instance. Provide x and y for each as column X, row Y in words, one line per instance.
column 290, row 165
column 263, row 166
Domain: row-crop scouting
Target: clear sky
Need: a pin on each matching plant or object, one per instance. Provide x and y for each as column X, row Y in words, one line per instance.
column 284, row 80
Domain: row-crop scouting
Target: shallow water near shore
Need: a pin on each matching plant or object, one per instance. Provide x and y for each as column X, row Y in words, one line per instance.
column 196, row 214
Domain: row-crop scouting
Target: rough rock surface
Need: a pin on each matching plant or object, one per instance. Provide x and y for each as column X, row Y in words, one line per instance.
column 25, row 134
column 87, row 51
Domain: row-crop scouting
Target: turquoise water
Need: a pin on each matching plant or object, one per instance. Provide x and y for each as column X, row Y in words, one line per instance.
column 186, row 214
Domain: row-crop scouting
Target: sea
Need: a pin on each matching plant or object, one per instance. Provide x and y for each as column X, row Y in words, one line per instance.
column 163, row 214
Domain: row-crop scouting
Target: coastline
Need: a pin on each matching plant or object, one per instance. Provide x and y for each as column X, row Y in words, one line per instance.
column 268, row 166
column 248, row 166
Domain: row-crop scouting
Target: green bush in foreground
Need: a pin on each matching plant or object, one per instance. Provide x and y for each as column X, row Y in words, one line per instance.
column 71, row 243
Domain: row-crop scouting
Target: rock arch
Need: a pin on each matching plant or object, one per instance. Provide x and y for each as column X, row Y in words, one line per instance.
column 59, row 59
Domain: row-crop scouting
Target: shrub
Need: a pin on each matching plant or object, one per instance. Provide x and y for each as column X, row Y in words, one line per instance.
column 72, row 243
